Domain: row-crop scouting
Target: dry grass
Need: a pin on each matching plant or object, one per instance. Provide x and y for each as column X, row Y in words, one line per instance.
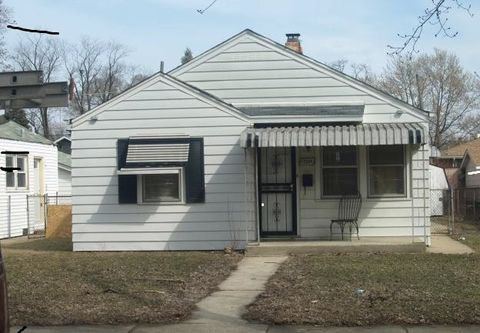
column 473, row 241
column 399, row 289
column 50, row 285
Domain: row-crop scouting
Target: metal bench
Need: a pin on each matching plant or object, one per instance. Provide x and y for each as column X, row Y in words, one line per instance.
column 348, row 211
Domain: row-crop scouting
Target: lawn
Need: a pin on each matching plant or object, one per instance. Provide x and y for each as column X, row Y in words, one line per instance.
column 398, row 289
column 473, row 241
column 50, row 285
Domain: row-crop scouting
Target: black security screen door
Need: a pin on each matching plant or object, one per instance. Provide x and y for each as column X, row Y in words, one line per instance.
column 277, row 191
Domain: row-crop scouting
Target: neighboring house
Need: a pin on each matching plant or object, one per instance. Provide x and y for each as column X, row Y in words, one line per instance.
column 20, row 190
column 439, row 195
column 64, row 145
column 64, row 177
column 461, row 164
column 248, row 141
column 471, row 166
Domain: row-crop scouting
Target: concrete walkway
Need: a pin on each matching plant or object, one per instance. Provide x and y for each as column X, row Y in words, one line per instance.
column 219, row 312
column 446, row 245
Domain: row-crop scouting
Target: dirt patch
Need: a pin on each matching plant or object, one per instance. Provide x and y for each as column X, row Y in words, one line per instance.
column 50, row 285
column 372, row 289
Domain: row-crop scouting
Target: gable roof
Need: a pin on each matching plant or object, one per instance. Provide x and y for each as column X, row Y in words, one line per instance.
column 10, row 130
column 310, row 62
column 62, row 138
column 170, row 80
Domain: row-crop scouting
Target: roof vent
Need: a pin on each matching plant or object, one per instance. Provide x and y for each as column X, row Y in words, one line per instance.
column 293, row 42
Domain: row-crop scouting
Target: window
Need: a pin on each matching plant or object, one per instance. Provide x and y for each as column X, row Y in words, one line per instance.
column 386, row 171
column 339, row 171
column 18, row 178
column 165, row 186
column 161, row 170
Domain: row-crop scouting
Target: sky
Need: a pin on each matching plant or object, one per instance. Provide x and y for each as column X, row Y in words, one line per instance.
column 156, row 30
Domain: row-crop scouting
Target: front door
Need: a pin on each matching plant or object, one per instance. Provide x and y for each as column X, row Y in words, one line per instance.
column 277, row 191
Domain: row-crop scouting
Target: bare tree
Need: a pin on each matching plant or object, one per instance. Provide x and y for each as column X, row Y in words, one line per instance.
column 83, row 64
column 358, row 71
column 5, row 18
column 339, row 65
column 436, row 83
column 99, row 71
column 110, row 81
column 39, row 53
column 363, row 73
column 437, row 16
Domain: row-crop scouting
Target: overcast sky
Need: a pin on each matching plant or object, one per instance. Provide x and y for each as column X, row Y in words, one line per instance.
column 155, row 30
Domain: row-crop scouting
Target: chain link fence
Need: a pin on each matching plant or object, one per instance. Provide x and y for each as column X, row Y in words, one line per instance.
column 466, row 211
column 441, row 217
column 455, row 212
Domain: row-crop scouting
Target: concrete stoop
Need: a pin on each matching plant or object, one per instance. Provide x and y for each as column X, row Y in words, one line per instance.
column 284, row 248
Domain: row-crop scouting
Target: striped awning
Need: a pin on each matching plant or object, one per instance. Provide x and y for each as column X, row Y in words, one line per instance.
column 157, row 153
column 353, row 135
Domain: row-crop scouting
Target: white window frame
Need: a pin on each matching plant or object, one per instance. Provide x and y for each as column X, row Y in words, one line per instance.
column 389, row 195
column 178, row 171
column 322, row 167
column 16, row 172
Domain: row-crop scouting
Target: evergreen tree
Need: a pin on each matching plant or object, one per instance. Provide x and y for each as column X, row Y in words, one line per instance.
column 187, row 56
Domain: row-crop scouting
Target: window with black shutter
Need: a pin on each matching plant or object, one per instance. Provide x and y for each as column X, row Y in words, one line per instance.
column 161, row 170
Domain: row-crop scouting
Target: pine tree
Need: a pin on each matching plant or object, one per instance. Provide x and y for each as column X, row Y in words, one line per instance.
column 187, row 56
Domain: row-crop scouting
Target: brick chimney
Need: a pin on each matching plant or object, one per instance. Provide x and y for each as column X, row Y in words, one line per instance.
column 293, row 42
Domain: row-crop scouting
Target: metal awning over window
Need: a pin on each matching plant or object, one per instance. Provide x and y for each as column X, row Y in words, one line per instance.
column 157, row 152
column 353, row 135
column 136, row 153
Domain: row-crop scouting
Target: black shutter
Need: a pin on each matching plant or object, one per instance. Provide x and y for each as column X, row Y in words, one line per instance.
column 127, row 189
column 195, row 172
column 122, row 148
column 127, row 184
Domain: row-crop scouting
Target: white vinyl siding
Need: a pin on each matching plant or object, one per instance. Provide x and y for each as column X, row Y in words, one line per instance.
column 100, row 223
column 64, row 183
column 399, row 217
column 251, row 71
column 13, row 204
column 244, row 71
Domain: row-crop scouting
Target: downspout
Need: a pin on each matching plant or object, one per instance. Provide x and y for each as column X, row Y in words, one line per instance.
column 412, row 196
column 9, row 216
column 245, row 199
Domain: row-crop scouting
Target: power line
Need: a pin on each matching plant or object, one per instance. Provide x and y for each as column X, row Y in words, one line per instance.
column 201, row 11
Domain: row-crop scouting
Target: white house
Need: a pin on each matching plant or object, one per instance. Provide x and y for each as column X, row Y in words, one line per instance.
column 438, row 191
column 20, row 190
column 64, row 177
column 248, row 141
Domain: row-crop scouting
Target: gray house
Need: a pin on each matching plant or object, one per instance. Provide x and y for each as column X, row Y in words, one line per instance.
column 250, row 140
